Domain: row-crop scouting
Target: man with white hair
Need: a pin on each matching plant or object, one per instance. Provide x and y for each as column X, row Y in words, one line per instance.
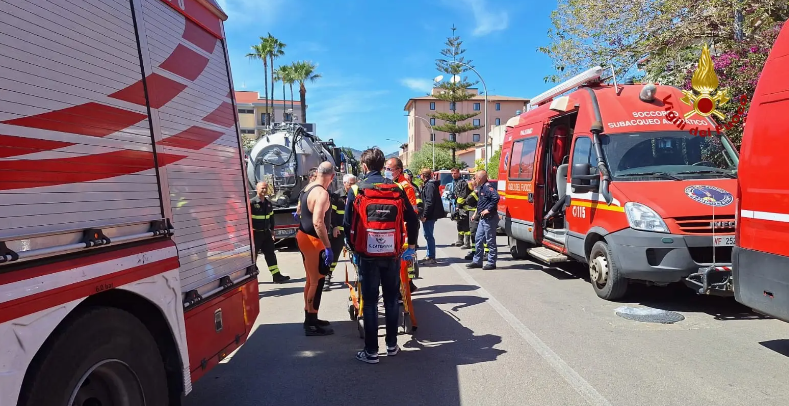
column 347, row 181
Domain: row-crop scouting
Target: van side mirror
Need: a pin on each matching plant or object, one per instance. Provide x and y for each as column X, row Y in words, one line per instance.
column 583, row 180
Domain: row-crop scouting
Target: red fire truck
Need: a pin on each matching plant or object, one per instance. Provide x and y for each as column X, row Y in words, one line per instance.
column 761, row 255
column 126, row 263
column 602, row 176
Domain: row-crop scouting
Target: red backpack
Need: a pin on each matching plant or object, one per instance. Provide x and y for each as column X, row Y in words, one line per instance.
column 378, row 226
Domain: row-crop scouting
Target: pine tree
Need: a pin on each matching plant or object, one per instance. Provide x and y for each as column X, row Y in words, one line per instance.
column 454, row 89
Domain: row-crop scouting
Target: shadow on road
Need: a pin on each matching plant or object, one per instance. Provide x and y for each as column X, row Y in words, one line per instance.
column 779, row 346
column 279, row 365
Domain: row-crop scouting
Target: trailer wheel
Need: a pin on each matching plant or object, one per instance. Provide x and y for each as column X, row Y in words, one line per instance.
column 102, row 357
column 604, row 274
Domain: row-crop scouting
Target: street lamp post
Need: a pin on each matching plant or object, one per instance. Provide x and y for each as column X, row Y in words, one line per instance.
column 432, row 138
column 486, row 103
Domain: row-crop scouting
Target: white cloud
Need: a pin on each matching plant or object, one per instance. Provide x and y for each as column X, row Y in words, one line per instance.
column 264, row 12
column 417, row 84
column 486, row 19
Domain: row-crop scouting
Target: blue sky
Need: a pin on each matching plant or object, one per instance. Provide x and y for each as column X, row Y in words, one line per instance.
column 375, row 55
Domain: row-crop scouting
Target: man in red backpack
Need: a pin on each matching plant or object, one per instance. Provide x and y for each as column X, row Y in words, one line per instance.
column 375, row 213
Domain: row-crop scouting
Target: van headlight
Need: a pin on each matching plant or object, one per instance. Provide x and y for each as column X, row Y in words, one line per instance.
column 643, row 218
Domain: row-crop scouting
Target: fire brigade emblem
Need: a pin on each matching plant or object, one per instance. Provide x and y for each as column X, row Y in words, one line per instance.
column 704, row 83
column 709, row 195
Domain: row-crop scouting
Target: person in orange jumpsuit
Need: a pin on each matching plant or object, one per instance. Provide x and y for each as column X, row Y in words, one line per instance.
column 394, row 171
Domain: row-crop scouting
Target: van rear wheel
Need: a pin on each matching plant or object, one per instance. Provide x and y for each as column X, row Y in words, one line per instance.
column 517, row 248
column 604, row 273
column 102, row 357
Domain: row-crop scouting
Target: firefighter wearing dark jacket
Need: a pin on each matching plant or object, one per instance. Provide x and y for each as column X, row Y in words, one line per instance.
column 263, row 230
column 460, row 192
column 337, row 236
column 471, row 207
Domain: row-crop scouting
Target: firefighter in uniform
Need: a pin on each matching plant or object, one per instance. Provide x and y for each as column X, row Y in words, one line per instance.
column 394, row 170
column 460, row 192
column 337, row 235
column 263, row 230
column 471, row 207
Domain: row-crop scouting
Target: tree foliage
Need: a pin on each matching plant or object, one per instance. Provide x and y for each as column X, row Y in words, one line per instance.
column 353, row 164
column 454, row 88
column 664, row 39
column 493, row 165
column 423, row 158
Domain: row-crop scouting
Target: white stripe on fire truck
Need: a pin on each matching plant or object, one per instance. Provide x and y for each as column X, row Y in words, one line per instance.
column 44, row 283
column 765, row 215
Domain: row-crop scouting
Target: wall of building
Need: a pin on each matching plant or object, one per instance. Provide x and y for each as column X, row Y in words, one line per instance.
column 419, row 131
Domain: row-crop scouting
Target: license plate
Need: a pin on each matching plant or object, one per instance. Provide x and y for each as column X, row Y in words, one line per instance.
column 723, row 241
column 285, row 232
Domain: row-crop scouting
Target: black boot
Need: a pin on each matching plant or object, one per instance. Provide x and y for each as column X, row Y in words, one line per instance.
column 280, row 278
column 469, row 256
column 311, row 327
column 322, row 323
column 459, row 242
column 412, row 286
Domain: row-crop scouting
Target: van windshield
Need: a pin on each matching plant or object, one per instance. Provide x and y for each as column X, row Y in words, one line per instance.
column 672, row 154
column 446, row 178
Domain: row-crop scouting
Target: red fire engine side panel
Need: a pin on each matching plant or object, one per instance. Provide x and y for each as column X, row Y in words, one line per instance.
column 216, row 328
column 761, row 255
column 764, row 203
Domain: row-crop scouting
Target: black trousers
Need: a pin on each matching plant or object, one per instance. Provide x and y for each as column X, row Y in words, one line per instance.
column 264, row 242
column 463, row 224
column 336, row 248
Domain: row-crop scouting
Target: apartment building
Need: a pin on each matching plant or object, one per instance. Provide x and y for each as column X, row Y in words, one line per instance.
column 252, row 117
column 500, row 109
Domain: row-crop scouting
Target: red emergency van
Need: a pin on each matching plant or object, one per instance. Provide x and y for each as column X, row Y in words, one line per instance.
column 761, row 254
column 601, row 176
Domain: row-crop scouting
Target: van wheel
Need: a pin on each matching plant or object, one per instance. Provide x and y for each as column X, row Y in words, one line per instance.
column 604, row 274
column 103, row 357
column 517, row 248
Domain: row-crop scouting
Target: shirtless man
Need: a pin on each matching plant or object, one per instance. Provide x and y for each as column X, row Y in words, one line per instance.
column 315, row 246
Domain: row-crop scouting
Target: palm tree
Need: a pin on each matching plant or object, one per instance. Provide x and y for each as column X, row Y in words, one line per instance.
column 275, row 49
column 304, row 71
column 280, row 75
column 290, row 80
column 261, row 52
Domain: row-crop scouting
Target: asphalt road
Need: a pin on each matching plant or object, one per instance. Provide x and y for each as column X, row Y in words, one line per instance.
column 522, row 334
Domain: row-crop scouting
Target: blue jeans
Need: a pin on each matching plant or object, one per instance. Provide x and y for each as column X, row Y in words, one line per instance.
column 486, row 234
column 386, row 273
column 429, row 227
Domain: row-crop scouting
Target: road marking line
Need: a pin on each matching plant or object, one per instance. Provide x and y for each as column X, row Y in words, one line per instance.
column 592, row 396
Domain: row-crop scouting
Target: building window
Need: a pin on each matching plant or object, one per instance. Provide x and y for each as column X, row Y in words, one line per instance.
column 243, row 131
column 476, row 106
column 452, row 106
column 263, row 118
column 288, row 116
column 432, row 121
column 522, row 161
column 498, row 106
column 432, row 105
column 433, row 137
column 452, row 137
column 475, row 138
column 245, row 111
column 498, row 121
column 476, row 122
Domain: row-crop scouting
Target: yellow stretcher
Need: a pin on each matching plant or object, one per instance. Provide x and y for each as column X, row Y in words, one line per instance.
column 407, row 319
